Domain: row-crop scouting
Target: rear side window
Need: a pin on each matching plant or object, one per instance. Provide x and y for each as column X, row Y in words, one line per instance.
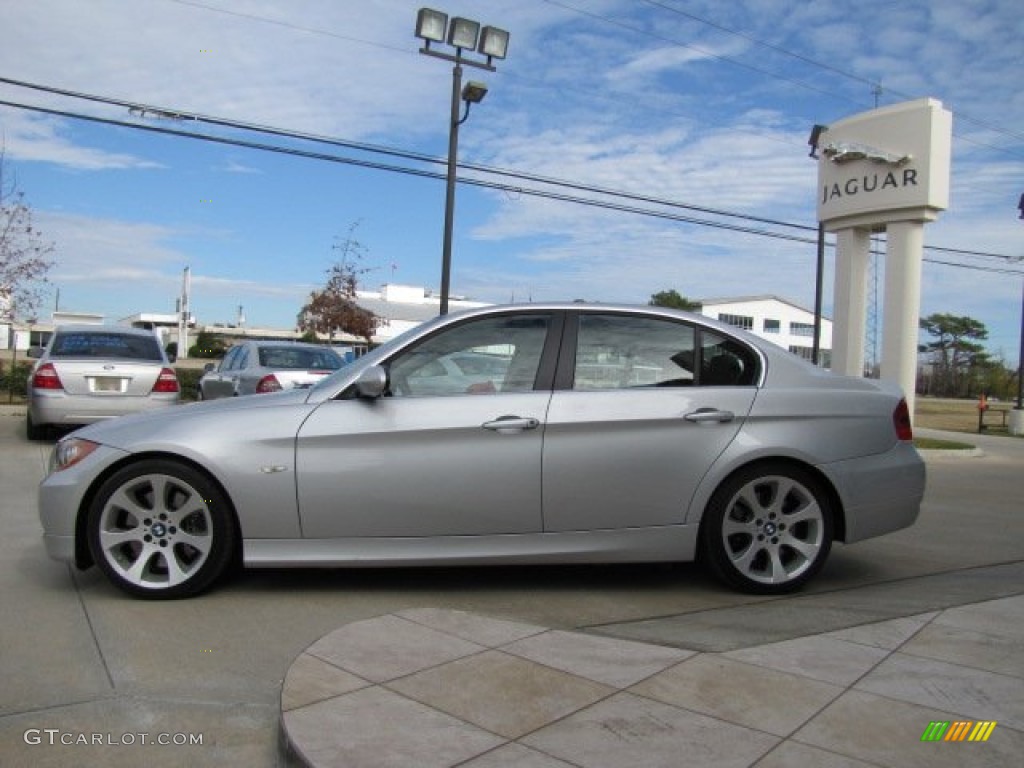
column 623, row 351
column 627, row 351
column 726, row 363
column 106, row 345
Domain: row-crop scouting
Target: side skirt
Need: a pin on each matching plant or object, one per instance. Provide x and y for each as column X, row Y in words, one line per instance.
column 675, row 543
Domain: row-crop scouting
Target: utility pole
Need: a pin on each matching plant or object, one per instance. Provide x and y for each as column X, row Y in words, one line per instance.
column 183, row 314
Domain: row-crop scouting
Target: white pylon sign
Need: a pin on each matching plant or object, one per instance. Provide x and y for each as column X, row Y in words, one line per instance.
column 886, row 170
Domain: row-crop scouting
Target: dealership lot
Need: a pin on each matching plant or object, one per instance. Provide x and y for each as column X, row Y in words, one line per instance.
column 91, row 677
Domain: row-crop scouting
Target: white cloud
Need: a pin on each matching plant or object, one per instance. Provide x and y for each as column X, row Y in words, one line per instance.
column 35, row 138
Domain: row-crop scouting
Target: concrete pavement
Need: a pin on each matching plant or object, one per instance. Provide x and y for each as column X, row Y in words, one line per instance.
column 537, row 666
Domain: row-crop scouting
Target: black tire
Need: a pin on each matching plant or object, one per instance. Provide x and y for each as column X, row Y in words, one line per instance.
column 767, row 529
column 35, row 431
column 160, row 529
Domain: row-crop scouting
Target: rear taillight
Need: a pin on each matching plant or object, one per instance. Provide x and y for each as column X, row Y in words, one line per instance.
column 166, row 381
column 901, row 421
column 268, row 383
column 46, row 378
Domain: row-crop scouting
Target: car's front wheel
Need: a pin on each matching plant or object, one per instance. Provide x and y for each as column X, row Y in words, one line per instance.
column 161, row 529
column 767, row 529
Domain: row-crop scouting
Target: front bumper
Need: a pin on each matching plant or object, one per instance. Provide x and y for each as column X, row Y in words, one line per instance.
column 60, row 497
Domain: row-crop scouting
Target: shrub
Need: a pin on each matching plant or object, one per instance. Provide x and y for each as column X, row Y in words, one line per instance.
column 13, row 377
column 188, row 380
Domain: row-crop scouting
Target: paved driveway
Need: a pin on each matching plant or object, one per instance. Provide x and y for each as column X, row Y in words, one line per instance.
column 81, row 663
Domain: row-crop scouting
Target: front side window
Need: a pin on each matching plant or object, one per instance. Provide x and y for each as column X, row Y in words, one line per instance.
column 229, row 359
column 490, row 355
column 622, row 351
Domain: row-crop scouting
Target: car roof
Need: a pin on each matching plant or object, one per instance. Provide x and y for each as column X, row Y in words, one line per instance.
column 92, row 328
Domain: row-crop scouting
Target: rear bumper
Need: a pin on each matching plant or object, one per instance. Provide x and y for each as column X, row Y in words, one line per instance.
column 880, row 493
column 48, row 407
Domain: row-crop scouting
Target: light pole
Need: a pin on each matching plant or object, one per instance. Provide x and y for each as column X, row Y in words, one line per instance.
column 463, row 35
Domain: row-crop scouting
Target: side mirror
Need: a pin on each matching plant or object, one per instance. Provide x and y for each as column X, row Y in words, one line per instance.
column 172, row 357
column 35, row 352
column 209, row 367
column 372, row 383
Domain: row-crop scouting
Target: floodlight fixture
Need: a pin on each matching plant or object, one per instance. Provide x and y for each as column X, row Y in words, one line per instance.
column 493, row 43
column 463, row 33
column 431, row 25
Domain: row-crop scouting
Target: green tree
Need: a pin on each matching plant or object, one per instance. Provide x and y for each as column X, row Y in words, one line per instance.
column 208, row 345
column 334, row 309
column 24, row 255
column 672, row 298
column 956, row 354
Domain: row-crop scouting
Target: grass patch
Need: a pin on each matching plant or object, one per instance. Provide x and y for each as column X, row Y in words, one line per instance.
column 933, row 444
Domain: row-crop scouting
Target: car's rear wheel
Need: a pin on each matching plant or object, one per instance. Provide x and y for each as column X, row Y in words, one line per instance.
column 767, row 529
column 34, row 431
column 161, row 529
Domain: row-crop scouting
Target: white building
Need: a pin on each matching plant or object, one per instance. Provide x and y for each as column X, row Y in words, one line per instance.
column 779, row 321
column 401, row 307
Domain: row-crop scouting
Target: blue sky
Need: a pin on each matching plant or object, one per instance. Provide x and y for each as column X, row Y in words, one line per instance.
column 705, row 103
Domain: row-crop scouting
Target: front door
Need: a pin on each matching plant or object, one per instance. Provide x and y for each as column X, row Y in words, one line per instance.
column 453, row 449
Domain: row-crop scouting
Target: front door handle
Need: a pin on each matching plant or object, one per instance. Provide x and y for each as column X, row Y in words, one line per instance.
column 710, row 415
column 506, row 425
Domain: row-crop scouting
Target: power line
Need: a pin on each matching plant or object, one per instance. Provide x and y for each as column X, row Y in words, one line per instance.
column 408, row 155
column 178, row 114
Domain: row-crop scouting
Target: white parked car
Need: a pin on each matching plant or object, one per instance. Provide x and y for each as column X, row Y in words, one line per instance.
column 88, row 373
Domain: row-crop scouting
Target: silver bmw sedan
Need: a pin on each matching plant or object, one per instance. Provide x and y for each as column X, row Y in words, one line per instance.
column 581, row 433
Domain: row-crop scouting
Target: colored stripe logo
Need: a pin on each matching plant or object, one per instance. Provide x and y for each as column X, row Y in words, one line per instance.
column 960, row 730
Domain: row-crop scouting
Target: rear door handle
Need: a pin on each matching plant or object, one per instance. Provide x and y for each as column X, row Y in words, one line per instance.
column 710, row 415
column 508, row 424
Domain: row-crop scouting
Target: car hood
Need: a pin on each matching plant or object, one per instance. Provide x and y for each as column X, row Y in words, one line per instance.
column 153, row 430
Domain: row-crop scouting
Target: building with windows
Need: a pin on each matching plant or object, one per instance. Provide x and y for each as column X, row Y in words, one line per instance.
column 777, row 320
column 401, row 307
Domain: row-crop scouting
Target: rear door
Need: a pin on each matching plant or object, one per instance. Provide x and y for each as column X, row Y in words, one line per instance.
column 642, row 407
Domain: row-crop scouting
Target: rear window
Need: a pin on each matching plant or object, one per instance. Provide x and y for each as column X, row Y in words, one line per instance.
column 106, row 344
column 304, row 359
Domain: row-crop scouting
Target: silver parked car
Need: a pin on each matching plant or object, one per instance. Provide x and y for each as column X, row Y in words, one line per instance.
column 87, row 373
column 258, row 367
column 616, row 434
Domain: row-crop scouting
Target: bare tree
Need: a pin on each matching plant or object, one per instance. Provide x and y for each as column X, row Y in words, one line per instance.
column 334, row 309
column 24, row 255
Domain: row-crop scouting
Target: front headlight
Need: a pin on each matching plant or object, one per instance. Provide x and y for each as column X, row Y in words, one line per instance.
column 69, row 452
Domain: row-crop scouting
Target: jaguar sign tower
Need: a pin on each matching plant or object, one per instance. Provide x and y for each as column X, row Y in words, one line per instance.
column 886, row 170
